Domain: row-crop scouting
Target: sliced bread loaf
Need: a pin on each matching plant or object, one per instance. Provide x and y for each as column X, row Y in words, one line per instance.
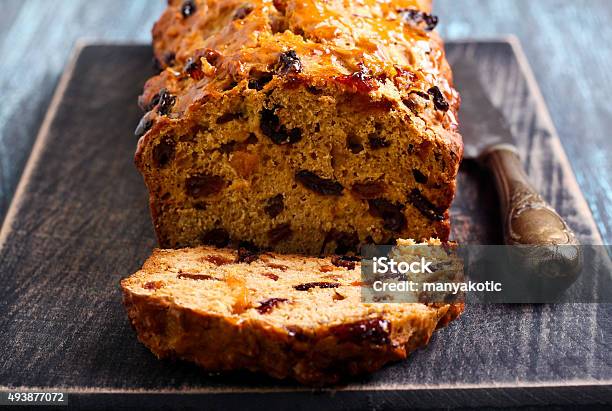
column 289, row 316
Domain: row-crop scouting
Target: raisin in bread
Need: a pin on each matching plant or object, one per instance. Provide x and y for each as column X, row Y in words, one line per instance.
column 289, row 316
column 301, row 126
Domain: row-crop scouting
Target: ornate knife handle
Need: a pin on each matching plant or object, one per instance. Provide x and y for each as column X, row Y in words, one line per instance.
column 527, row 218
column 549, row 254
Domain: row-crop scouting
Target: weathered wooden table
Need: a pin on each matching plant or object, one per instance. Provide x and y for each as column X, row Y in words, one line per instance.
column 567, row 43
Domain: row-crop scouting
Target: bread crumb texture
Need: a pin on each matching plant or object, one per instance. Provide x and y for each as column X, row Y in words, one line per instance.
column 289, row 316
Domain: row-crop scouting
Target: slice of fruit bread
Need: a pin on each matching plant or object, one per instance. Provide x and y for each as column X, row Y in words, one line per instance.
column 289, row 316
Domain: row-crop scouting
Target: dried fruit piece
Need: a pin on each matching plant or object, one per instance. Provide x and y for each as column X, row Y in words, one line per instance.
column 377, row 142
column 244, row 163
column 426, row 207
column 275, row 205
column 314, row 90
column 345, row 261
column 391, row 214
column 280, row 233
column 419, row 177
column 218, row 260
column 203, row 185
column 247, row 253
column 419, row 18
column 278, row 133
column 154, row 100
column 368, row 190
column 278, row 24
column 217, row 237
column 153, row 285
column 318, row 184
column 193, row 68
column 188, row 8
column 200, row 277
column 318, row 284
column 337, row 296
column 375, row 331
column 227, row 148
column 280, row 5
column 251, row 139
column 353, row 143
column 239, row 291
column 438, row 99
column 212, row 56
column 166, row 102
column 360, row 81
column 268, row 305
column 242, row 11
column 271, row 276
column 289, row 63
column 163, row 153
column 260, row 82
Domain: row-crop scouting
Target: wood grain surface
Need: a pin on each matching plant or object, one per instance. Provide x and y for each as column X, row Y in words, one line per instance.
column 566, row 42
column 80, row 222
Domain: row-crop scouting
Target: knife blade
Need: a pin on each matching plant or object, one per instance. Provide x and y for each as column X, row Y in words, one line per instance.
column 483, row 126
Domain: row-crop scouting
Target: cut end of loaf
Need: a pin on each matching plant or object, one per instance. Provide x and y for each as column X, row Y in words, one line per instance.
column 289, row 316
column 277, row 124
column 306, row 169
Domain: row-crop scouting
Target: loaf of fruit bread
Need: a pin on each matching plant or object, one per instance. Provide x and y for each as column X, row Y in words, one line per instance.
column 301, row 126
column 289, row 316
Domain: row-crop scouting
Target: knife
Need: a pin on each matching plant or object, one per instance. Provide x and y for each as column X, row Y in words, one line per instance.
column 528, row 220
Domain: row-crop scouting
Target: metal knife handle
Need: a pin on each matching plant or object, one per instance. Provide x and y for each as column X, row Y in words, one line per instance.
column 548, row 258
column 527, row 218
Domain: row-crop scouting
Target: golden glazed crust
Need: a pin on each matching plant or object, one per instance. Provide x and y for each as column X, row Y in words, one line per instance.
column 342, row 112
column 333, row 39
column 286, row 315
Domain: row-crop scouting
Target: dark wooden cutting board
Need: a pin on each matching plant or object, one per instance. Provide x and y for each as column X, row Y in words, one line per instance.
column 79, row 222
